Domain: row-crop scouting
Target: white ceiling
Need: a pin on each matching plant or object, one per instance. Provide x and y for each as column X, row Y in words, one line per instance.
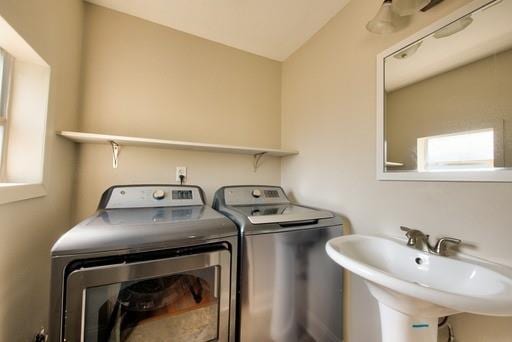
column 270, row 28
column 490, row 33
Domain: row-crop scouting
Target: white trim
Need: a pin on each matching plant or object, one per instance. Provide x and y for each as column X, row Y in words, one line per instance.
column 495, row 175
column 5, row 96
column 13, row 192
column 380, row 151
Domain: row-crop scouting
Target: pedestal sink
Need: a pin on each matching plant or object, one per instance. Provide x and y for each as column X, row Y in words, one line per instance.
column 415, row 288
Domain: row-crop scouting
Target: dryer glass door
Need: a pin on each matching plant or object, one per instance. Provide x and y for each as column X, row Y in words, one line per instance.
column 175, row 299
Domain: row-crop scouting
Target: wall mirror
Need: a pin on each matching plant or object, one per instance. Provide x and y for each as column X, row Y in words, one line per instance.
column 444, row 99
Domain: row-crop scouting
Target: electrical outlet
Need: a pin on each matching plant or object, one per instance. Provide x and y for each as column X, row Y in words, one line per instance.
column 181, row 171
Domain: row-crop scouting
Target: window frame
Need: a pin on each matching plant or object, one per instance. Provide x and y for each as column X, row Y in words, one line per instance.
column 29, row 75
column 7, row 65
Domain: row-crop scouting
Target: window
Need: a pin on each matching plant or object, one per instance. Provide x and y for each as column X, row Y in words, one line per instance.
column 5, row 78
column 469, row 150
column 24, row 91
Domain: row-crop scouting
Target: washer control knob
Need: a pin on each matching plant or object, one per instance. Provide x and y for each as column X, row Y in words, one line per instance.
column 256, row 193
column 159, row 194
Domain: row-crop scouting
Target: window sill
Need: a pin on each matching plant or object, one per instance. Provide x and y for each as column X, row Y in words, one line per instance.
column 13, row 192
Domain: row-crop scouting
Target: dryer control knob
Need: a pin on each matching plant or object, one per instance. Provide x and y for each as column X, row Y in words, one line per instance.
column 159, row 194
column 256, row 193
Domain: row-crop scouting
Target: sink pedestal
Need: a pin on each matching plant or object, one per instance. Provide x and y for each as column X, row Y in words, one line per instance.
column 398, row 327
column 404, row 318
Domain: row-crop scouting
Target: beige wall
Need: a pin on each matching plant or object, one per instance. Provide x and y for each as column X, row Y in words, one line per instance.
column 143, row 79
column 53, row 29
column 328, row 114
column 471, row 97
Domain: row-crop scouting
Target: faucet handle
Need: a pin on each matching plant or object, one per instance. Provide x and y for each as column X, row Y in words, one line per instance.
column 413, row 234
column 409, row 232
column 442, row 244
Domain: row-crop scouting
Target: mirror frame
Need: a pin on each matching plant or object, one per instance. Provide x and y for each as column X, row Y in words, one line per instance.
column 497, row 175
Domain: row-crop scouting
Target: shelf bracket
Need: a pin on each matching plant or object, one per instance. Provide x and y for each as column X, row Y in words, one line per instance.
column 257, row 158
column 115, row 154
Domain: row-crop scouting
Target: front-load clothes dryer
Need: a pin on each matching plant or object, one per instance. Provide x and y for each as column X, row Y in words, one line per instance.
column 154, row 263
column 289, row 289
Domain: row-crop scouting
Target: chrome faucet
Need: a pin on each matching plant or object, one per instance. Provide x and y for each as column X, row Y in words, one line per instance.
column 420, row 241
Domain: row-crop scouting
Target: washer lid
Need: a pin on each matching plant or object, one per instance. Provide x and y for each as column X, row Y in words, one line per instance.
column 144, row 228
column 281, row 213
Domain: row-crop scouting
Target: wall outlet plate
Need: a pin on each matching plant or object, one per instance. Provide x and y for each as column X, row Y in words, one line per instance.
column 181, row 170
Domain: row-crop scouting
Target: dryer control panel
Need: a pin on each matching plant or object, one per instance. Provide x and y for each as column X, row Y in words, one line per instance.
column 151, row 196
column 252, row 195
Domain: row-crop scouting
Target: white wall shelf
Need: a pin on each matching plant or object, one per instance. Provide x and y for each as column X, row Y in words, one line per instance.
column 116, row 141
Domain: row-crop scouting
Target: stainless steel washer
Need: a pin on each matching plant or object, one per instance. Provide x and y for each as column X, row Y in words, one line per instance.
column 154, row 263
column 289, row 289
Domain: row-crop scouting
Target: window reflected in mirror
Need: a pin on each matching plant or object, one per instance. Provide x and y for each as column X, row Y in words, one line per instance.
column 448, row 96
column 472, row 150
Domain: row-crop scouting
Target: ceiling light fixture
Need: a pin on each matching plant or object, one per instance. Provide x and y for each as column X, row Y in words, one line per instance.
column 386, row 21
column 432, row 3
column 408, row 7
column 394, row 15
column 408, row 52
column 454, row 27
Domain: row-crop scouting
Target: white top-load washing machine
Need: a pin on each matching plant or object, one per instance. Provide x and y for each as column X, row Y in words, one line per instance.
column 289, row 289
column 154, row 263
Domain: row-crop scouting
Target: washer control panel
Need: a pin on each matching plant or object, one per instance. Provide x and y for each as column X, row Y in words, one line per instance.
column 250, row 195
column 148, row 196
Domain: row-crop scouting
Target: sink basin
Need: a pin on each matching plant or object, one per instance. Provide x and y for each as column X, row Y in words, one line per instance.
column 415, row 288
